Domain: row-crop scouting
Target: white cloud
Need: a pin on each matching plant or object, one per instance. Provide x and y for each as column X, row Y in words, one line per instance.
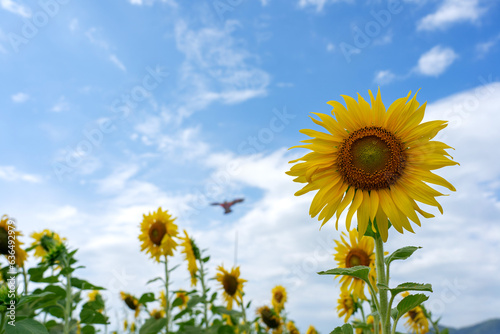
column 114, row 59
column 92, row 35
column 319, row 4
column 61, row 105
column 10, row 173
column 330, row 47
column 451, row 12
column 20, row 97
column 16, row 8
column 482, row 49
column 172, row 3
column 384, row 40
column 435, row 61
column 384, row 77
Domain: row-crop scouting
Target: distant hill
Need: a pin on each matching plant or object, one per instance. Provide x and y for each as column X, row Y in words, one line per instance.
column 485, row 327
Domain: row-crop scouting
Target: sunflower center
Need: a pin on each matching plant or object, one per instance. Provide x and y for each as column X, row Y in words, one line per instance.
column 156, row 232
column 412, row 314
column 278, row 296
column 230, row 284
column 4, row 242
column 357, row 257
column 269, row 318
column 371, row 158
column 130, row 302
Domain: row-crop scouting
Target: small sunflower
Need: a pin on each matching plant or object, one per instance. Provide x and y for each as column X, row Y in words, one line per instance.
column 182, row 295
column 417, row 323
column 12, row 251
column 358, row 253
column 232, row 285
column 311, row 330
column 192, row 254
column 375, row 162
column 291, row 328
column 346, row 304
column 269, row 317
column 45, row 241
column 132, row 327
column 157, row 314
column 279, row 298
column 157, row 234
column 163, row 300
column 94, row 295
column 131, row 302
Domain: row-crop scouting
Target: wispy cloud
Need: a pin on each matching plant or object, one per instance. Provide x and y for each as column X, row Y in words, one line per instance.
column 482, row 49
column 435, row 61
column 16, row 8
column 114, row 59
column 384, row 77
column 330, row 47
column 20, row 97
column 319, row 4
column 73, row 25
column 150, row 2
column 61, row 105
column 10, row 173
column 451, row 12
column 92, row 35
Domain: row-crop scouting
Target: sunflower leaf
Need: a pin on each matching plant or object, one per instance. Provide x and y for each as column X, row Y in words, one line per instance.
column 153, row 326
column 357, row 271
column 411, row 287
column 26, row 326
column 410, row 302
column 147, row 297
column 401, row 254
column 155, row 279
column 345, row 329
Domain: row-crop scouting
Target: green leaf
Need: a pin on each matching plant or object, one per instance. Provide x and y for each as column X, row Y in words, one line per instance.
column 225, row 329
column 345, row 329
column 30, row 298
column 153, row 326
column 83, row 284
column 177, row 302
column 154, row 280
column 57, row 290
column 147, row 298
column 195, row 299
column 36, row 274
column 411, row 287
column 444, row 331
column 88, row 330
column 26, row 326
column 90, row 316
column 410, row 302
column 357, row 271
column 401, row 254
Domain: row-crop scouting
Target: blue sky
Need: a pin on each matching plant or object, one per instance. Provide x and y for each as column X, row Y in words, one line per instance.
column 111, row 109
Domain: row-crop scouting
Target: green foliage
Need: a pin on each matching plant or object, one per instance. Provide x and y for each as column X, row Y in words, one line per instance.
column 401, row 254
column 345, row 329
column 357, row 271
column 26, row 326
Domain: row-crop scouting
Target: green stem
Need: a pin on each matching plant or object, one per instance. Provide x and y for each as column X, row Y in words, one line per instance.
column 69, row 301
column 167, row 297
column 204, row 288
column 25, row 282
column 2, row 322
column 244, row 316
column 382, row 279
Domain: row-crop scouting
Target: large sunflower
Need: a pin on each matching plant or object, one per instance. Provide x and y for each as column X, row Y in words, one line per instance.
column 192, row 253
column 157, row 234
column 359, row 252
column 44, row 241
column 232, row 285
column 375, row 162
column 346, row 304
column 417, row 323
column 12, row 251
column 279, row 298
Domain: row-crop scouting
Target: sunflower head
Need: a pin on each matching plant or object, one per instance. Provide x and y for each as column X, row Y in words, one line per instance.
column 269, row 317
column 311, row 330
column 347, row 304
column 192, row 254
column 45, row 241
column 131, row 302
column 417, row 322
column 374, row 161
column 157, row 314
column 13, row 251
column 232, row 285
column 279, row 298
column 183, row 296
column 158, row 233
column 292, row 329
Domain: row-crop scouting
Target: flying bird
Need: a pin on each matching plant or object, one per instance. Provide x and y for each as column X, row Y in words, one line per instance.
column 227, row 205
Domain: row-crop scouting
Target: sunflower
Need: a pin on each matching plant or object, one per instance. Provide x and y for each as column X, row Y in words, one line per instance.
column 125, row 325
column 94, row 295
column 279, row 298
column 192, row 254
column 346, row 304
column 417, row 323
column 12, row 251
column 44, row 241
column 132, row 327
column 311, row 330
column 375, row 162
column 184, row 297
column 232, row 285
column 131, row 302
column 358, row 253
column 157, row 234
column 370, row 320
column 157, row 314
column 291, row 328
column 269, row 317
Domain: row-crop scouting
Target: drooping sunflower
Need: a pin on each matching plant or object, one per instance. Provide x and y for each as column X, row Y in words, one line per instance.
column 279, row 298
column 232, row 285
column 346, row 304
column 192, row 254
column 157, row 314
column 45, row 241
column 311, row 330
column 182, row 295
column 13, row 251
column 292, row 329
column 359, row 252
column 131, row 302
column 417, row 323
column 157, row 234
column 269, row 317
column 375, row 162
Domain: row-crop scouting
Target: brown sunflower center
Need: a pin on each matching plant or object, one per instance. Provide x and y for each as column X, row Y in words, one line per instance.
column 4, row 241
column 269, row 318
column 371, row 158
column 130, row 302
column 156, row 232
column 230, row 284
column 412, row 314
column 357, row 257
column 278, row 296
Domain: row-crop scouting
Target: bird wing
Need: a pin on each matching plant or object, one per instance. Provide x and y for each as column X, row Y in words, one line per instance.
column 215, row 203
column 238, row 200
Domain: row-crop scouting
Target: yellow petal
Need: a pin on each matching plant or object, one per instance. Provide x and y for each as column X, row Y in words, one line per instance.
column 345, row 202
column 358, row 198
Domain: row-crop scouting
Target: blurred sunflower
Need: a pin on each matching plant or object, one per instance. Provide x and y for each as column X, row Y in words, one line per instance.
column 358, row 253
column 157, row 314
column 45, row 241
column 132, row 327
column 12, row 251
column 163, row 300
column 375, row 162
column 346, row 304
column 131, row 302
column 182, row 295
column 232, row 285
column 94, row 295
column 269, row 317
column 370, row 320
column 125, row 325
column 192, row 254
column 291, row 328
column 157, row 234
column 279, row 298
column 417, row 323
column 311, row 330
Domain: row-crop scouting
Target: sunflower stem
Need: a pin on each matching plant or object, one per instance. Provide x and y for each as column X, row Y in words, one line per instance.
column 25, row 277
column 167, row 297
column 69, row 299
column 244, row 316
column 204, row 288
column 382, row 279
